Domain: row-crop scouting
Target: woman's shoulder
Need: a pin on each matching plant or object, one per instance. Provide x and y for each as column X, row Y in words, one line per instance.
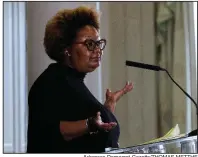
column 50, row 78
column 49, row 74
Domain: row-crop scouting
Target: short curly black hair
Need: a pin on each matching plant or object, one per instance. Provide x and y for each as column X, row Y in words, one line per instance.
column 62, row 28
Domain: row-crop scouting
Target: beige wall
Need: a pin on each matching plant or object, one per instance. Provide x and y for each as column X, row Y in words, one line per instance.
column 131, row 37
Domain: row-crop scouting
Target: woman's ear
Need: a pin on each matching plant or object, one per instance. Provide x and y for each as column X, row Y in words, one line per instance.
column 67, row 53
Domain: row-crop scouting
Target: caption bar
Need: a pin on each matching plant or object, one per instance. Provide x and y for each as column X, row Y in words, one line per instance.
column 143, row 155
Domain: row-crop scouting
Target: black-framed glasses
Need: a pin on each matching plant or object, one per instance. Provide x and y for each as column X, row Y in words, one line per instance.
column 91, row 44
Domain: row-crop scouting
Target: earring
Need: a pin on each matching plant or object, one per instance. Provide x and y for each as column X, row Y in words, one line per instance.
column 66, row 52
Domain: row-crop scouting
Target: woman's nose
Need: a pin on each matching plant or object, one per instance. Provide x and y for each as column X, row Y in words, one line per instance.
column 98, row 51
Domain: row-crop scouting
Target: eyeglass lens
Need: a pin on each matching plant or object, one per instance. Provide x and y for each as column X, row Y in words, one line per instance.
column 91, row 44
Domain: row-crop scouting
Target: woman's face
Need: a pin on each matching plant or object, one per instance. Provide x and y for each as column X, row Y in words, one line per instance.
column 86, row 50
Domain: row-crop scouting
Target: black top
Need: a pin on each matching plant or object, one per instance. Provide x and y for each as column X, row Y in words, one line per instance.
column 60, row 94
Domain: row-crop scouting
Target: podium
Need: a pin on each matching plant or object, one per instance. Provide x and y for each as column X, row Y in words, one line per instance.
column 174, row 145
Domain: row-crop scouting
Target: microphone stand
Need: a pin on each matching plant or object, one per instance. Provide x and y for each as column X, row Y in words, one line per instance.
column 194, row 132
column 158, row 68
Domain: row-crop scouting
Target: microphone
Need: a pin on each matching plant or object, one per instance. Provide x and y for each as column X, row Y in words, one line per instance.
column 158, row 68
column 143, row 65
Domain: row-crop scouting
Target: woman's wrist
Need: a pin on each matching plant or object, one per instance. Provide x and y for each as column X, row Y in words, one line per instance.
column 91, row 125
column 110, row 107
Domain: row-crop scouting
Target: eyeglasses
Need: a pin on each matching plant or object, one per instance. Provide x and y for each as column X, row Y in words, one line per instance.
column 91, row 44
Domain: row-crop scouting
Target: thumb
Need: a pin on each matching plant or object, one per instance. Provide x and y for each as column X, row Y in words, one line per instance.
column 98, row 114
column 98, row 118
column 108, row 92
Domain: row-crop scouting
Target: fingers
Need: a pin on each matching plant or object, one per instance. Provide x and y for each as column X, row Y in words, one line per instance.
column 98, row 117
column 98, row 114
column 108, row 93
column 128, row 87
column 115, row 96
column 108, row 126
column 102, row 125
column 108, row 90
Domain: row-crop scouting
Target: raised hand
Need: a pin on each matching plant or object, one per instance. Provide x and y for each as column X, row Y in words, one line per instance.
column 113, row 97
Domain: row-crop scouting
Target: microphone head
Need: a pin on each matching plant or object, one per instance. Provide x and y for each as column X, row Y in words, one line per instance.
column 143, row 66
